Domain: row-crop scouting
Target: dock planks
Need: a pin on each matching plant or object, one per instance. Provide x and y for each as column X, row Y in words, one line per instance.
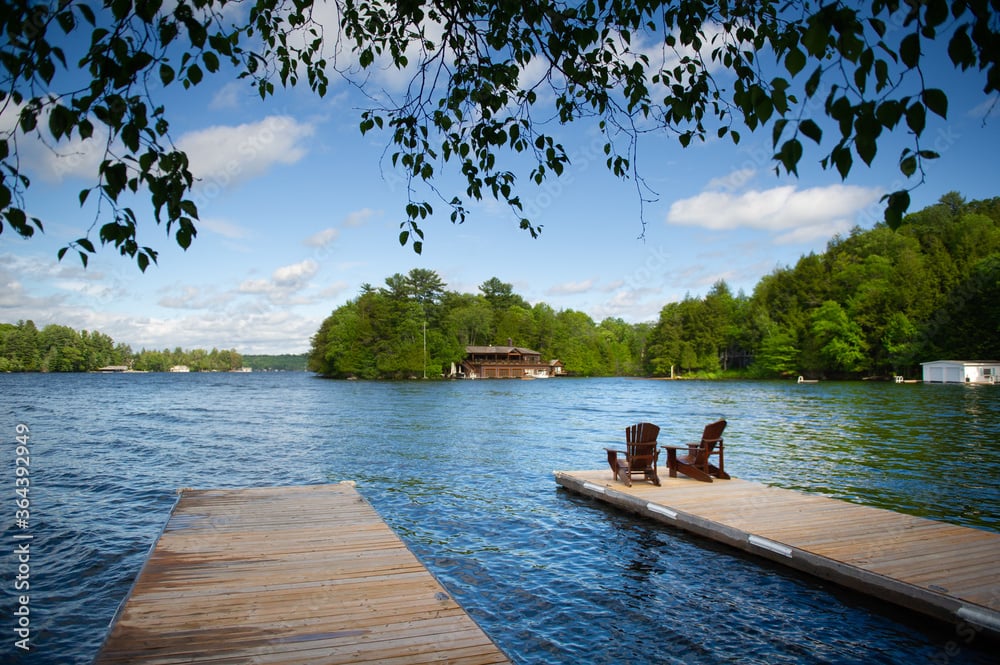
column 287, row 576
column 943, row 570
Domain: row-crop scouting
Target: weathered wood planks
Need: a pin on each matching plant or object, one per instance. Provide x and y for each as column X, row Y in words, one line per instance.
column 288, row 576
column 947, row 571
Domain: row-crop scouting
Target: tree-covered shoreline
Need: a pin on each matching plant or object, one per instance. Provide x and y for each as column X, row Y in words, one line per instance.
column 57, row 348
column 875, row 303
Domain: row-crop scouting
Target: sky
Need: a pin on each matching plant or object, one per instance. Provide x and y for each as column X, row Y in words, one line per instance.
column 298, row 210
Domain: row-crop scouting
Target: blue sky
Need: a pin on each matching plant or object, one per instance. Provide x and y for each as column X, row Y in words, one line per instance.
column 298, row 210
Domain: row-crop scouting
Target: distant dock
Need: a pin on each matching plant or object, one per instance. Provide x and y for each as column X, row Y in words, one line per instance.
column 943, row 570
column 287, row 576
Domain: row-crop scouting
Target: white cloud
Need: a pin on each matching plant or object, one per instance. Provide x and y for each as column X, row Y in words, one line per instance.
column 333, row 290
column 220, row 156
column 223, row 228
column 532, row 75
column 224, row 155
column 395, row 79
column 359, row 217
column 74, row 157
column 53, row 293
column 663, row 57
column 613, row 286
column 247, row 331
column 568, row 288
column 284, row 285
column 630, row 305
column 186, row 299
column 229, row 96
column 11, row 291
column 322, row 238
column 295, row 275
column 193, row 297
column 794, row 215
column 255, row 286
column 732, row 181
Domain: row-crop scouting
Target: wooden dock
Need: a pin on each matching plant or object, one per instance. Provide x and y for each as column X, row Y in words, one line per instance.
column 288, row 576
column 945, row 571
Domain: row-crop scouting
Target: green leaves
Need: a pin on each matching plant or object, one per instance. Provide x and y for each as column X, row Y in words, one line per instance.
column 811, row 130
column 898, row 203
column 167, row 74
column 790, row 154
column 61, row 121
column 936, row 101
column 795, row 61
column 909, row 50
column 136, row 42
column 491, row 84
column 961, row 49
column 916, row 118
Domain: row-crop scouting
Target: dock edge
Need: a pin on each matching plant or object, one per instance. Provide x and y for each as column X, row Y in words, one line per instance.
column 940, row 606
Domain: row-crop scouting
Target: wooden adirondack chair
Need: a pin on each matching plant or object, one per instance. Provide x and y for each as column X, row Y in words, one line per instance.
column 639, row 456
column 697, row 463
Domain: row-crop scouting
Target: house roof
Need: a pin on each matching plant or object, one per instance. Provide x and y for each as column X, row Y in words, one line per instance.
column 961, row 362
column 500, row 349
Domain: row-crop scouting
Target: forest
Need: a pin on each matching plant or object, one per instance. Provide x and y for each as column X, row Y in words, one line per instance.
column 875, row 303
column 57, row 348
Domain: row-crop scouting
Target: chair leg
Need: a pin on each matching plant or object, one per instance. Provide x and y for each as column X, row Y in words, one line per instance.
column 625, row 474
column 613, row 462
column 721, row 471
column 693, row 472
column 717, row 472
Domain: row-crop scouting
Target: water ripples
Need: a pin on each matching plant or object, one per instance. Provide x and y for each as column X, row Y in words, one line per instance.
column 463, row 473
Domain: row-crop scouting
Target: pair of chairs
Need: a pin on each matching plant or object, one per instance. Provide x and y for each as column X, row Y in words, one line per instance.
column 641, row 454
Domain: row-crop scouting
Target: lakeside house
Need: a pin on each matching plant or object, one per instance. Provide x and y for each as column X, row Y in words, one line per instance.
column 506, row 362
column 961, row 371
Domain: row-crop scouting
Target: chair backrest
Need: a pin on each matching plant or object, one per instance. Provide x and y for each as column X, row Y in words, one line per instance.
column 641, row 433
column 712, row 436
column 640, row 443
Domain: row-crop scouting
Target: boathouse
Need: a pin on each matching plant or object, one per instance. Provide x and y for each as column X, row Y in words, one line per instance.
column 962, row 371
column 507, row 362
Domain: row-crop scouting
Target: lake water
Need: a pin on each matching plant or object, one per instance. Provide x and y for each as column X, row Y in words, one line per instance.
column 463, row 472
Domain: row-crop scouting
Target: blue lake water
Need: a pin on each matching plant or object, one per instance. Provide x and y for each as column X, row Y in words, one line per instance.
column 463, row 472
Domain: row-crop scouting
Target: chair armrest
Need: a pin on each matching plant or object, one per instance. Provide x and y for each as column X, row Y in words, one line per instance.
column 693, row 446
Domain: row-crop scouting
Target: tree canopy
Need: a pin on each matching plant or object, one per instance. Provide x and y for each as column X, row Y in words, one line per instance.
column 58, row 348
column 489, row 82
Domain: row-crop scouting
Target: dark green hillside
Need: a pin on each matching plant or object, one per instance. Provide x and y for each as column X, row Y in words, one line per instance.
column 875, row 303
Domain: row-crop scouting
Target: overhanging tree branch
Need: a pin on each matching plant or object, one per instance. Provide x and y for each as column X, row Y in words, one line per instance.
column 469, row 106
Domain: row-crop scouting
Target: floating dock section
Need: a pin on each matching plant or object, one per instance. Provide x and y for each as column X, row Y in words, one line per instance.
column 943, row 570
column 288, row 576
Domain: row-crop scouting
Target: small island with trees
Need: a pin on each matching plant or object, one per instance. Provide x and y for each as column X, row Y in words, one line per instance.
column 875, row 304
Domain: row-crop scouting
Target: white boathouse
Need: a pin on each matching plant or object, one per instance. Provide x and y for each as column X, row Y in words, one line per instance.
column 962, row 371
